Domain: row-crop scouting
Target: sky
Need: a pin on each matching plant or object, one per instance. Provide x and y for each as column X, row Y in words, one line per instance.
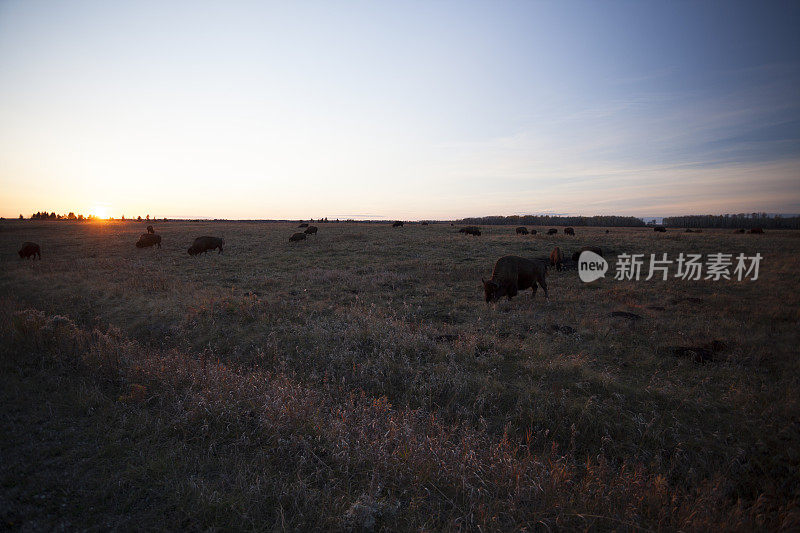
column 406, row 109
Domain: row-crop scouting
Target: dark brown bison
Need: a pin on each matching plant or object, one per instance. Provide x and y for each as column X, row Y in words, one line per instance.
column 569, row 231
column 30, row 249
column 204, row 244
column 557, row 258
column 522, row 230
column 297, row 237
column 424, row 223
column 607, row 231
column 740, row 230
column 660, row 229
column 311, row 230
column 533, row 232
column 595, row 249
column 397, row 224
column 303, row 225
column 147, row 240
column 150, row 229
column 552, row 231
column 470, row 230
column 756, row 230
column 512, row 274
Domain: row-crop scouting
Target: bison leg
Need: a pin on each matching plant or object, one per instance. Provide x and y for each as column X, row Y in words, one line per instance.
column 543, row 283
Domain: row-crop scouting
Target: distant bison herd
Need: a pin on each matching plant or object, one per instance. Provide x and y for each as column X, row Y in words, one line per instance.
column 511, row 274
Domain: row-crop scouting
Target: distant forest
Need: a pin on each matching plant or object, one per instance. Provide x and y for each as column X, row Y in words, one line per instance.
column 44, row 215
column 742, row 220
column 548, row 220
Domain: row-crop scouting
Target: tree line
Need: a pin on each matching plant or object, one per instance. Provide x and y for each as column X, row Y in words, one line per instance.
column 551, row 220
column 736, row 221
column 44, row 215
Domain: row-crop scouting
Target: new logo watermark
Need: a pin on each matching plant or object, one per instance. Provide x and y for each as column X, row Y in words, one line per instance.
column 591, row 266
column 630, row 267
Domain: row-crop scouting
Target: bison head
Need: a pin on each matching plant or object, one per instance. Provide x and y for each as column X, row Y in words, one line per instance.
column 193, row 250
column 491, row 290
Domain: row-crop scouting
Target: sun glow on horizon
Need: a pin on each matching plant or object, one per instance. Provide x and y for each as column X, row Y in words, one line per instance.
column 100, row 211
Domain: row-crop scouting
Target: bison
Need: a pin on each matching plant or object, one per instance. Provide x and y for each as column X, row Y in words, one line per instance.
column 150, row 229
column 424, row 223
column 533, row 232
column 756, row 230
column 512, row 274
column 397, row 224
column 303, row 225
column 297, row 237
column 204, row 244
column 30, row 249
column 569, row 231
column 470, row 230
column 522, row 230
column 660, row 229
column 740, row 230
column 552, row 231
column 311, row 230
column 595, row 249
column 147, row 240
column 557, row 258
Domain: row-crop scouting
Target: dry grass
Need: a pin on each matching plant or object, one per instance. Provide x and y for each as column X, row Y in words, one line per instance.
column 357, row 380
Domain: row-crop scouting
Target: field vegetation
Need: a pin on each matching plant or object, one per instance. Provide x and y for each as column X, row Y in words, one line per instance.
column 357, row 380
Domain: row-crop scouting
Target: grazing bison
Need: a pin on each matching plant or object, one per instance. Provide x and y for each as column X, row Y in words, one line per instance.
column 311, row 230
column 30, row 249
column 569, row 231
column 512, row 274
column 557, row 258
column 204, row 244
column 552, row 231
column 150, row 229
column 756, row 230
column 595, row 249
column 471, row 230
column 303, row 225
column 740, row 230
column 608, row 231
column 533, row 232
column 522, row 230
column 147, row 240
column 660, row 229
column 397, row 224
column 297, row 237
column 424, row 223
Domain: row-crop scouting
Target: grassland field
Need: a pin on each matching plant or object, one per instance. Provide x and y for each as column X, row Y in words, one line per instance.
column 357, row 380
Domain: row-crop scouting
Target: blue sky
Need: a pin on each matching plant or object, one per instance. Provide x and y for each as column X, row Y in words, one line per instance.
column 399, row 110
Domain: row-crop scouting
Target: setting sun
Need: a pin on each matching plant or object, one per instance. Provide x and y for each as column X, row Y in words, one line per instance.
column 100, row 211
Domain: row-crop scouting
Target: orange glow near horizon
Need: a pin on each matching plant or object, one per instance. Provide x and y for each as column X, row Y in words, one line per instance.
column 100, row 211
